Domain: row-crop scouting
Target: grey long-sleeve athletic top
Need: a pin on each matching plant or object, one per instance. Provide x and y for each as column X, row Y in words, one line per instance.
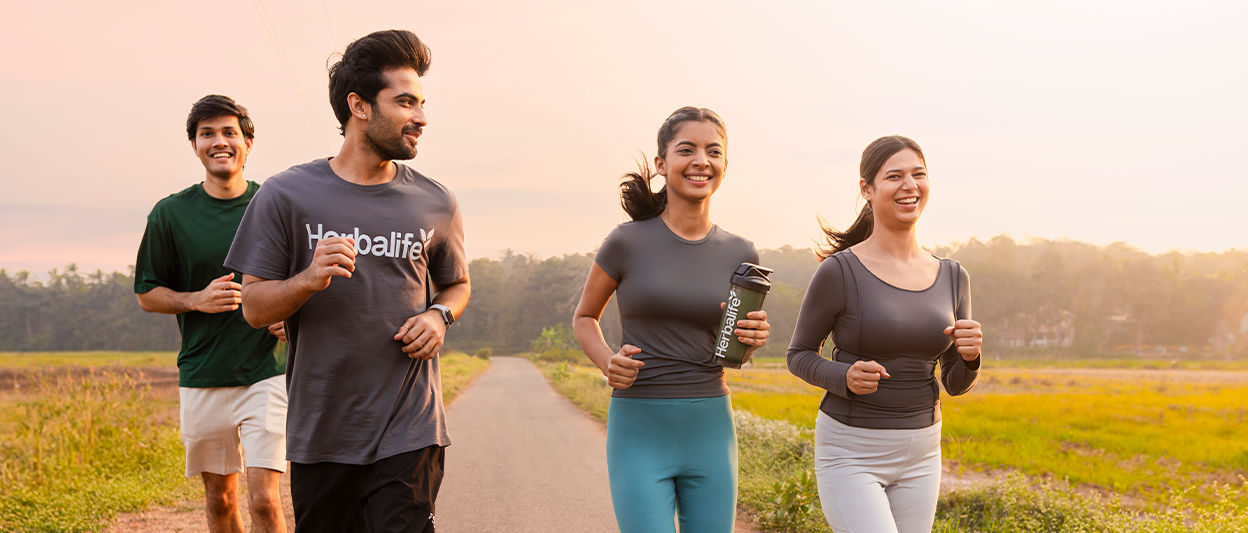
column 901, row 329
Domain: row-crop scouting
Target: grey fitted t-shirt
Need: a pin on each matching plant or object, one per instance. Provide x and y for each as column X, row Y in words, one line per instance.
column 903, row 330
column 345, row 371
column 669, row 290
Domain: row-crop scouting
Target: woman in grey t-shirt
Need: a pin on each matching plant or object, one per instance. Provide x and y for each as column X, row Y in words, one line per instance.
column 669, row 429
column 893, row 311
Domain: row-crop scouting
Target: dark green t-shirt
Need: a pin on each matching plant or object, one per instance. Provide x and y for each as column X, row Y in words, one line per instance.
column 183, row 249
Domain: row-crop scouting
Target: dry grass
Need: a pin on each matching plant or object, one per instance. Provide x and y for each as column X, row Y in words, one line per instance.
column 81, row 442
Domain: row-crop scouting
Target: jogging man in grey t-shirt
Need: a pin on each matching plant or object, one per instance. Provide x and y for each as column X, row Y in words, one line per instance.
column 343, row 250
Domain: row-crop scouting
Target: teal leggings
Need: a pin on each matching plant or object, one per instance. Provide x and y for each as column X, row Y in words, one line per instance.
column 671, row 457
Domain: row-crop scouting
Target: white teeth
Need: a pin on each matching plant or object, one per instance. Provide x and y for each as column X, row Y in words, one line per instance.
column 908, row 201
column 698, row 178
column 220, row 155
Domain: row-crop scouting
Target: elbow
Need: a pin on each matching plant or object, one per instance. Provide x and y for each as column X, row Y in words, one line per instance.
column 797, row 361
column 253, row 319
column 582, row 323
column 961, row 390
column 144, row 304
column 251, row 307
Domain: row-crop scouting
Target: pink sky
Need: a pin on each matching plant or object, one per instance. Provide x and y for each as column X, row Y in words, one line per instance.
column 1118, row 121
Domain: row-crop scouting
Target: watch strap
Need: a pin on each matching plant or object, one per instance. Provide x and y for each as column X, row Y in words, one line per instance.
column 447, row 315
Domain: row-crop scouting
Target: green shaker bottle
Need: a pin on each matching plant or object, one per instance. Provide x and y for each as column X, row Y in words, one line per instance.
column 745, row 293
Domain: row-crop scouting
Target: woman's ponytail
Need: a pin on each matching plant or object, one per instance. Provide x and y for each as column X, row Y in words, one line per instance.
column 842, row 240
column 638, row 200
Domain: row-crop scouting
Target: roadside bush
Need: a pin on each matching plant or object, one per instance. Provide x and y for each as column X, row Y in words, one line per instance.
column 794, row 503
column 1018, row 504
column 483, row 353
column 556, row 344
column 584, row 386
column 776, row 468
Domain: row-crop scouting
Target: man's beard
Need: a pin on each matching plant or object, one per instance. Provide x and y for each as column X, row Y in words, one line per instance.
column 389, row 148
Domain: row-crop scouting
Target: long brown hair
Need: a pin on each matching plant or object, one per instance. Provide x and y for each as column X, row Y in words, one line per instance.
column 636, row 197
column 873, row 157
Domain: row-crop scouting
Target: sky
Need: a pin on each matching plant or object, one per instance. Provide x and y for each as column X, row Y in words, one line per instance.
column 1098, row 121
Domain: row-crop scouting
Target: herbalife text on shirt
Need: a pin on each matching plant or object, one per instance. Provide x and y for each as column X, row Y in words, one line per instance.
column 395, row 244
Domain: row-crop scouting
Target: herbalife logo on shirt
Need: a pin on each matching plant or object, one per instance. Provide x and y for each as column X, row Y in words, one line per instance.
column 393, row 244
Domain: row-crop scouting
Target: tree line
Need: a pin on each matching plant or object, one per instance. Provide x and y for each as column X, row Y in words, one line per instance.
column 1040, row 296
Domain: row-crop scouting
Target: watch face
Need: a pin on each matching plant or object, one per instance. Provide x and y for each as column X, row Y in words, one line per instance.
column 447, row 315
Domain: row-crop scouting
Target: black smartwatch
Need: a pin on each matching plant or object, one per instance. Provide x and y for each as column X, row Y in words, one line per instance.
column 447, row 315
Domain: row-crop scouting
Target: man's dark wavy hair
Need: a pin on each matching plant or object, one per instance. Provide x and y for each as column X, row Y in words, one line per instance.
column 359, row 70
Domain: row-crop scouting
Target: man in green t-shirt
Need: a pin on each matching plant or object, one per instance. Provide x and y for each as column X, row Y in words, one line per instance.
column 231, row 384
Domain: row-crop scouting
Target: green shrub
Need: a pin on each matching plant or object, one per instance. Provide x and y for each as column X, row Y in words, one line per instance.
column 584, row 386
column 557, row 343
column 560, row 372
column 793, row 504
column 1018, row 504
column 776, row 474
column 483, row 353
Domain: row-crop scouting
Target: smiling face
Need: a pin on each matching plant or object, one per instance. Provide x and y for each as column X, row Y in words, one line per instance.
column 693, row 163
column 221, row 146
column 398, row 118
column 899, row 191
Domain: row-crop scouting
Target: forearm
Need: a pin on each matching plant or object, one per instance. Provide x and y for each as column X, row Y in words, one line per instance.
column 589, row 335
column 268, row 301
column 455, row 296
column 957, row 374
column 815, row 370
column 167, row 301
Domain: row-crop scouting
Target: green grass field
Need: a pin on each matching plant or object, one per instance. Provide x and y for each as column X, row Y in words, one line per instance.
column 1140, row 434
column 84, row 436
column 12, row 360
column 1088, row 448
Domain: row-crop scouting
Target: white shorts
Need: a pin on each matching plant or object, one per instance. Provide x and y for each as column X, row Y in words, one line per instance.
column 222, row 424
column 877, row 480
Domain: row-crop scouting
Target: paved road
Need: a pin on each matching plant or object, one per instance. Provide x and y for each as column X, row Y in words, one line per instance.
column 522, row 459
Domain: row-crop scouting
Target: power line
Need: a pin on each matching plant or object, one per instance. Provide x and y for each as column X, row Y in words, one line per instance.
column 330, row 25
column 284, row 60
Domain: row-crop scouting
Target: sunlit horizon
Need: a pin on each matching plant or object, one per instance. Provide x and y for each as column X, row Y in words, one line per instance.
column 1098, row 123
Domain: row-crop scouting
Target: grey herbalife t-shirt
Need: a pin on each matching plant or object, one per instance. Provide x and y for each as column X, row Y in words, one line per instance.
column 345, row 370
column 669, row 293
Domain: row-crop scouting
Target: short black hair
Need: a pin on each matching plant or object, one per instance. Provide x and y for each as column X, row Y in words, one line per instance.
column 359, row 69
column 215, row 105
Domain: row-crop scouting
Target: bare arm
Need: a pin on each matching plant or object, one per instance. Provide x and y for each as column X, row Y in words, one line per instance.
column 598, row 290
column 454, row 295
column 221, row 295
column 619, row 367
column 423, row 335
column 267, row 301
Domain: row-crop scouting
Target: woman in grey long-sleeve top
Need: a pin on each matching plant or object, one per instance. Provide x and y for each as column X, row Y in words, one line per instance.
column 893, row 311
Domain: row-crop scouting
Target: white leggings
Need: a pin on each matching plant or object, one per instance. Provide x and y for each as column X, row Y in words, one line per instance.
column 877, row 480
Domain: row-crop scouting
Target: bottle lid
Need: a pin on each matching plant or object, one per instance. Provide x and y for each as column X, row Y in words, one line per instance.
column 753, row 277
